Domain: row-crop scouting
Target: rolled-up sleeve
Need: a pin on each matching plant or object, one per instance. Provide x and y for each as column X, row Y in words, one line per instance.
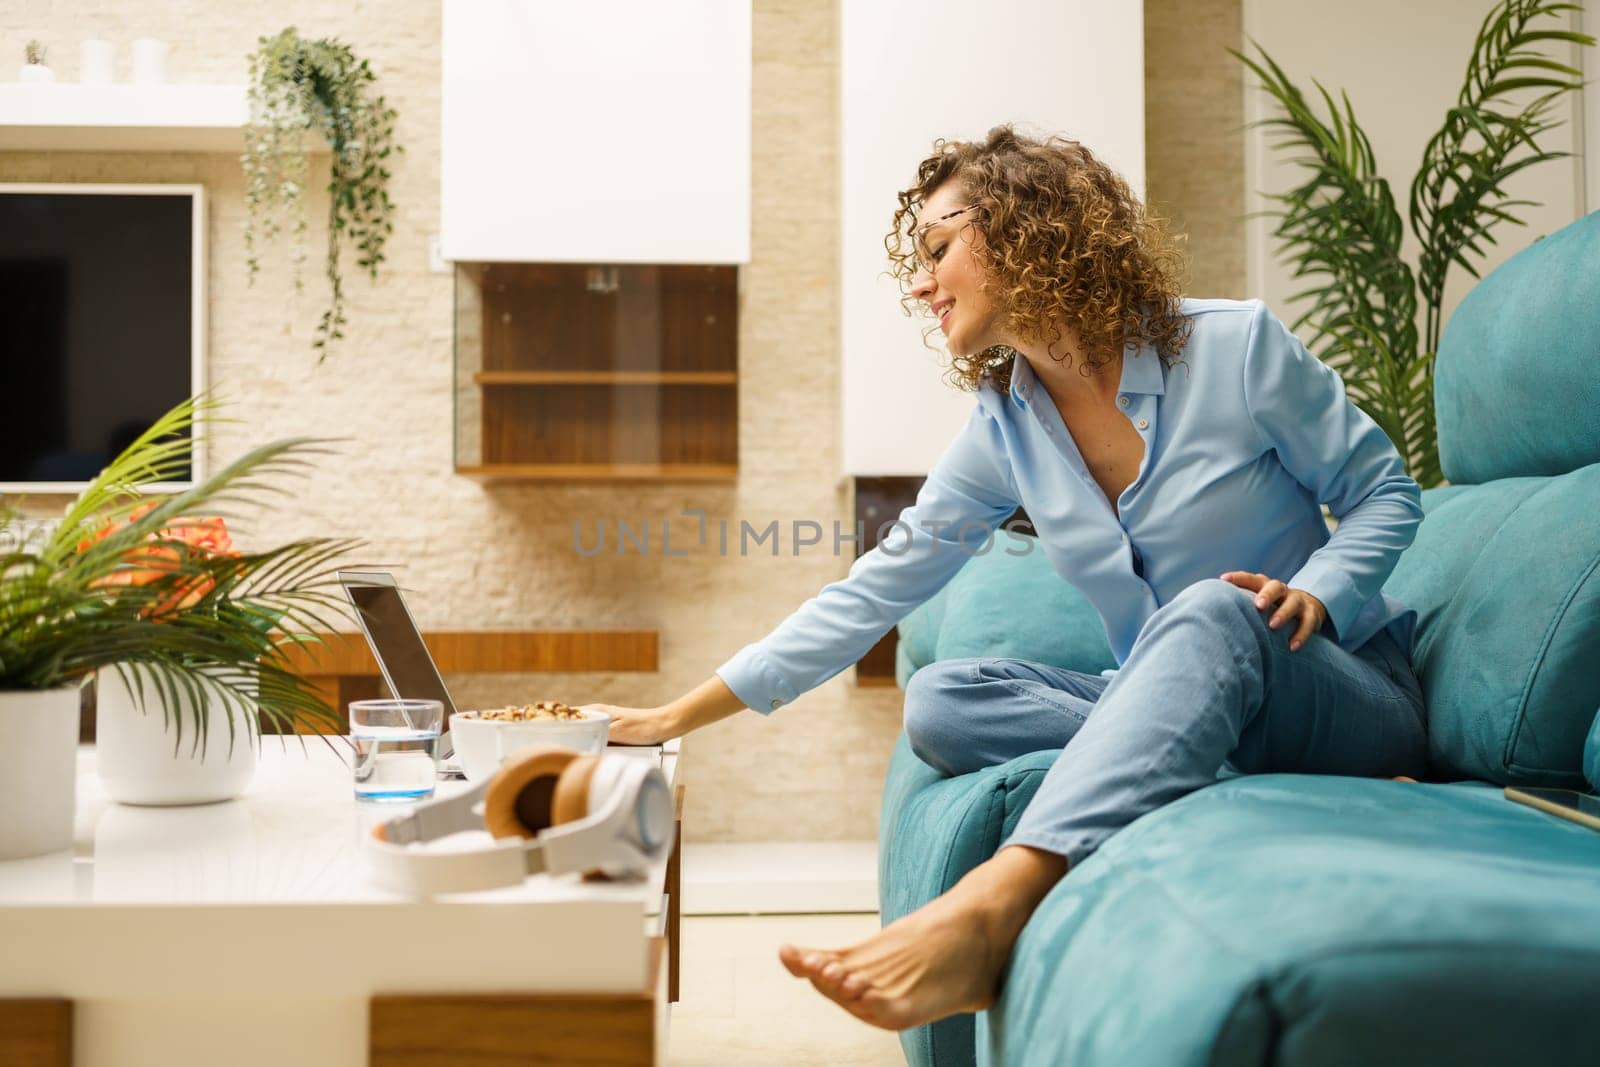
column 1335, row 450
column 968, row 493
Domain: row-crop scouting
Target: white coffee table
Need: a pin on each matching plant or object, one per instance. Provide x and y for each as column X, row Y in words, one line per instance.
column 248, row 933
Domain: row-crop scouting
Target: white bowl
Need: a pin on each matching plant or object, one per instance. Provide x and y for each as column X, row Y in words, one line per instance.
column 483, row 744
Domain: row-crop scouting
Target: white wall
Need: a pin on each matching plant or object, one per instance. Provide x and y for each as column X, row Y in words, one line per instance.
column 1403, row 66
column 580, row 132
column 1590, row 21
column 914, row 72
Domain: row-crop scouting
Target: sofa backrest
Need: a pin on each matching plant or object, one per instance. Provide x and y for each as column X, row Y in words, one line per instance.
column 1504, row 580
column 1007, row 603
column 1516, row 385
column 1505, row 570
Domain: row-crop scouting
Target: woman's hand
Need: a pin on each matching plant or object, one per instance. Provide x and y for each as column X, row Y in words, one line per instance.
column 638, row 726
column 1291, row 603
column 703, row 705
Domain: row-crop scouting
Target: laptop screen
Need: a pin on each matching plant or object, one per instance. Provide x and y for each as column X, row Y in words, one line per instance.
column 397, row 645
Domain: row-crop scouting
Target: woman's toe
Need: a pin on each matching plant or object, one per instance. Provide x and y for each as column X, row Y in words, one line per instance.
column 793, row 960
column 830, row 979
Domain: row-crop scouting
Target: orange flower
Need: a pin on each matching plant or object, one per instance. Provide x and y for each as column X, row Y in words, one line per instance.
column 145, row 564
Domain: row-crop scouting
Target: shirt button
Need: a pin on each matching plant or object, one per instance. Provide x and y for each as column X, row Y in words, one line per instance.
column 1122, row 401
column 776, row 703
column 1144, row 424
column 1124, row 538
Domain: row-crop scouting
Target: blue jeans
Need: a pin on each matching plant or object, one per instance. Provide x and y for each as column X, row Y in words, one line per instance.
column 1207, row 684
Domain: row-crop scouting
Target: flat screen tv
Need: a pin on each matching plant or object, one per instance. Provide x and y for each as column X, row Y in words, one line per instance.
column 102, row 317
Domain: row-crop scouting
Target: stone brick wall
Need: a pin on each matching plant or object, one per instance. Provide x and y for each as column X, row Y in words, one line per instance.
column 503, row 556
column 1194, row 135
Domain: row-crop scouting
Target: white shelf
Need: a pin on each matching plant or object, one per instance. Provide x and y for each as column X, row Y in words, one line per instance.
column 66, row 117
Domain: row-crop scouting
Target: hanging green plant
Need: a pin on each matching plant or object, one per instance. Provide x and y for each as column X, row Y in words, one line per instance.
column 296, row 86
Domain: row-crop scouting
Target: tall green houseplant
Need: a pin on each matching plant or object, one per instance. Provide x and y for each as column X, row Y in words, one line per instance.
column 1340, row 228
column 299, row 86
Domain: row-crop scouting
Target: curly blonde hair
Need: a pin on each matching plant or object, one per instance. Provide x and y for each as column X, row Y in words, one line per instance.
column 1065, row 244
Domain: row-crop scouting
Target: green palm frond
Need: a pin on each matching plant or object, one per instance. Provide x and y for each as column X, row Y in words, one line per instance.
column 1458, row 196
column 64, row 615
column 1340, row 231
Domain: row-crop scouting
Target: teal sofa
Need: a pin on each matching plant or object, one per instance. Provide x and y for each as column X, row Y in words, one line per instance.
column 1303, row 920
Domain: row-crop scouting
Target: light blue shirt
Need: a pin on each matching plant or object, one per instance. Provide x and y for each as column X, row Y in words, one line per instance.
column 1245, row 438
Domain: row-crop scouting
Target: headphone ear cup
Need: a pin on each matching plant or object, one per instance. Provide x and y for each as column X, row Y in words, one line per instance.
column 520, row 800
column 571, row 800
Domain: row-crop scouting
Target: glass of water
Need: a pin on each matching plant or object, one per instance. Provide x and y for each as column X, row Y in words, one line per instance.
column 397, row 747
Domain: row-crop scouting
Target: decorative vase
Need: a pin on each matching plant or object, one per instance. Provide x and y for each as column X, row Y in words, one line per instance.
column 97, row 62
column 141, row 760
column 35, row 72
column 149, row 61
column 38, row 787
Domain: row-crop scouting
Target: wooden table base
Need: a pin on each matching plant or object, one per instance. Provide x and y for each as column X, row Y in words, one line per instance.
column 519, row 1030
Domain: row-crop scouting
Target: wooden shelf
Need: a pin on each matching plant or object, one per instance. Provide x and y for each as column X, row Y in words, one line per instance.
column 603, row 377
column 67, row 117
column 490, row 472
column 490, row 652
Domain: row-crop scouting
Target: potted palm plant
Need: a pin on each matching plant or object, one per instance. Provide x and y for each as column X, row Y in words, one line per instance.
column 190, row 628
column 1340, row 228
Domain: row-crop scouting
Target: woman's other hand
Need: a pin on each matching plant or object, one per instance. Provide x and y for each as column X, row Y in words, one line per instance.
column 1290, row 604
column 638, row 726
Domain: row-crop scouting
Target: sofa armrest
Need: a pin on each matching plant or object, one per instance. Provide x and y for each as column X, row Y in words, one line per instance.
column 933, row 831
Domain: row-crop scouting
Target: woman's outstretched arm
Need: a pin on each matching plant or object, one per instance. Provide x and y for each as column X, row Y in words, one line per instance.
column 969, row 492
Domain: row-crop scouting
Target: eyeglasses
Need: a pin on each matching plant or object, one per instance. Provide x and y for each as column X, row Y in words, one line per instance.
column 919, row 239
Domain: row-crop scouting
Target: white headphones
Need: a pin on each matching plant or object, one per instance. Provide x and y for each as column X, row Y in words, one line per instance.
column 550, row 809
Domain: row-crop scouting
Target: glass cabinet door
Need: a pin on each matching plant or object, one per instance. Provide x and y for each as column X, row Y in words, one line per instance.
column 596, row 372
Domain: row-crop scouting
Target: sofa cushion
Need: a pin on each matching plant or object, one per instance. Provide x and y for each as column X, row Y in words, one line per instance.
column 1505, row 579
column 1007, row 603
column 1305, row 921
column 1515, row 388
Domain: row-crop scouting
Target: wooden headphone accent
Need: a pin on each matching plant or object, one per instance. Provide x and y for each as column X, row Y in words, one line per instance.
column 571, row 800
column 520, row 800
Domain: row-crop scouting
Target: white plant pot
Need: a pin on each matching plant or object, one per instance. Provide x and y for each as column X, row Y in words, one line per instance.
column 37, row 73
column 39, row 778
column 141, row 761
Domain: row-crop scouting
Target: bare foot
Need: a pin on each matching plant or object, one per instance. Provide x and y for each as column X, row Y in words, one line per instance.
column 946, row 957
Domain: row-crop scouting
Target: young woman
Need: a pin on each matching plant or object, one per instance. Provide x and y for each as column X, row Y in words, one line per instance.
column 1173, row 456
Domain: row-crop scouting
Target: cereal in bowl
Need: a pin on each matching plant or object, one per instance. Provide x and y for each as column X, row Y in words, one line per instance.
column 542, row 709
